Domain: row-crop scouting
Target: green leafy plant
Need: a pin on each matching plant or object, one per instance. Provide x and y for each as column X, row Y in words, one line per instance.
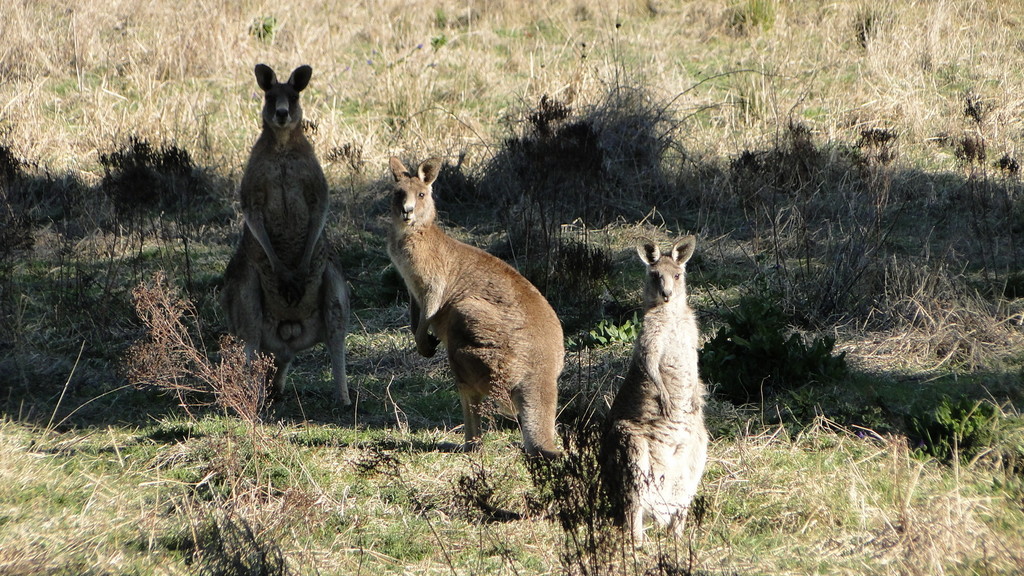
column 955, row 428
column 263, row 28
column 752, row 357
column 607, row 332
column 440, row 18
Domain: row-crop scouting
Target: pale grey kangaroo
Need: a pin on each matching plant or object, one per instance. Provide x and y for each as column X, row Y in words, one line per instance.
column 283, row 293
column 504, row 340
column 655, row 443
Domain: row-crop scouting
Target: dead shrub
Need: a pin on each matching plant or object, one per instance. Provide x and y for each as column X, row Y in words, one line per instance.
column 571, row 487
column 170, row 359
column 1008, row 165
column 970, row 149
column 879, row 146
column 568, row 168
column 481, row 499
column 139, row 176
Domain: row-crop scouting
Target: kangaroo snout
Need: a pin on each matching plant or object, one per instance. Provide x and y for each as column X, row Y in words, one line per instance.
column 281, row 115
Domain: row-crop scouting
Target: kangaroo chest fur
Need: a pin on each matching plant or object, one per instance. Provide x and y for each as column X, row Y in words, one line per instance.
column 286, row 202
column 666, row 345
column 287, row 186
column 418, row 265
column 673, row 338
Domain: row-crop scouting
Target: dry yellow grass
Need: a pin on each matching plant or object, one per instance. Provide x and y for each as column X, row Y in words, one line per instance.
column 78, row 75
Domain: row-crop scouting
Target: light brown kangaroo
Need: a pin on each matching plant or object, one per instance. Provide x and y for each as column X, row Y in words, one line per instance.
column 655, row 444
column 283, row 293
column 504, row 341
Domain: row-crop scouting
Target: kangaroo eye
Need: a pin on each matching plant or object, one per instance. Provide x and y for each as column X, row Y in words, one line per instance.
column 677, row 276
column 422, row 194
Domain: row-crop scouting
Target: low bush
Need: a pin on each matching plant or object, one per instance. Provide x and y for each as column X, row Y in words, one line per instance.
column 751, row 357
column 960, row 428
column 139, row 176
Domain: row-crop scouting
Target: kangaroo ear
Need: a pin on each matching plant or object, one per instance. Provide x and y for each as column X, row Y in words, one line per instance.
column 300, row 77
column 265, row 77
column 649, row 253
column 683, row 249
column 398, row 170
column 429, row 170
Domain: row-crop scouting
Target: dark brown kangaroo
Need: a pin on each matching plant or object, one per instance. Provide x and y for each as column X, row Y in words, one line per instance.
column 282, row 292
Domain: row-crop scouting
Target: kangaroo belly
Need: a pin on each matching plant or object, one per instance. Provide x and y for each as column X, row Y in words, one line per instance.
column 275, row 303
column 483, row 350
column 672, row 440
column 493, row 335
column 669, row 460
column 476, row 356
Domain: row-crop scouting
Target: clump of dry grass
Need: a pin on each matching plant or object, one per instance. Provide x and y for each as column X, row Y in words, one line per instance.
column 228, row 545
column 928, row 317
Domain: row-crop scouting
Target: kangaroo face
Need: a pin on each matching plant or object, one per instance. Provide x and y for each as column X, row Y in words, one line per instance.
column 281, row 109
column 413, row 202
column 666, row 274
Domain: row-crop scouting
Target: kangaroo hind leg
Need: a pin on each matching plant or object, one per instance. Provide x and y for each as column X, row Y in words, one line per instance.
column 335, row 306
column 242, row 302
column 537, row 422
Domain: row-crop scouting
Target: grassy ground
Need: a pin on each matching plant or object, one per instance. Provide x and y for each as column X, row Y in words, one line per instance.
column 851, row 170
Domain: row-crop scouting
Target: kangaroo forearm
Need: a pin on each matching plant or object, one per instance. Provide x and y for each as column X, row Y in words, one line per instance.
column 653, row 370
column 311, row 242
column 259, row 231
column 414, row 315
column 422, row 332
column 659, row 385
column 426, row 343
column 432, row 299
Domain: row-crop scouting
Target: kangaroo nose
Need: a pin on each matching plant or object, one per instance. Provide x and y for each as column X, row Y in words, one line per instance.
column 666, row 294
column 281, row 114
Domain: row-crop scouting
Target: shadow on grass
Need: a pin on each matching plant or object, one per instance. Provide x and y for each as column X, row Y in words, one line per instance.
column 837, row 233
column 70, row 255
column 889, row 404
